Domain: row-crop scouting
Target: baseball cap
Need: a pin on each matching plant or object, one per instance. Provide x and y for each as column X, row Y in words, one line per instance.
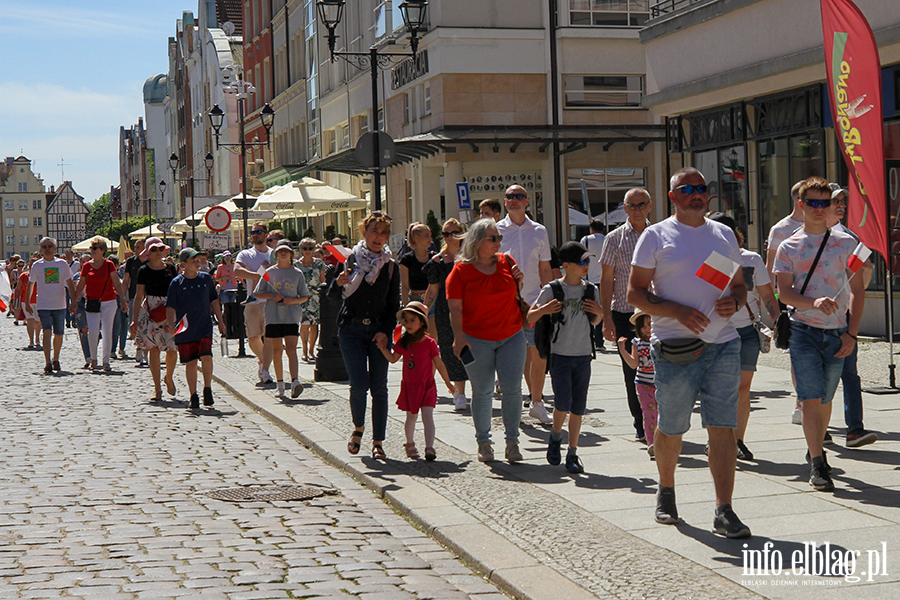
column 574, row 252
column 837, row 189
column 284, row 244
column 187, row 253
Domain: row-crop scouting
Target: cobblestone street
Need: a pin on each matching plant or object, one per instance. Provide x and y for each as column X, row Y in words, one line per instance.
column 104, row 496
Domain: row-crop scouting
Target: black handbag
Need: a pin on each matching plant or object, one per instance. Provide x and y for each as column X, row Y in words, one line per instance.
column 783, row 323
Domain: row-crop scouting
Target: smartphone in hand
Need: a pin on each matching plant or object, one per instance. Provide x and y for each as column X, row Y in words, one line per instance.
column 466, row 356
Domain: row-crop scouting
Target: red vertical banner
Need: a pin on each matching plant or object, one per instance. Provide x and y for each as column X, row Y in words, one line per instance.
column 854, row 86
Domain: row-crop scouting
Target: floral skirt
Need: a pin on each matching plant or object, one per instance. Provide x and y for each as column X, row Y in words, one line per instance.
column 151, row 334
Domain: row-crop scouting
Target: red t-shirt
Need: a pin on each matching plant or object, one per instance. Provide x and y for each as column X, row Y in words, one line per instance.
column 23, row 289
column 98, row 281
column 490, row 309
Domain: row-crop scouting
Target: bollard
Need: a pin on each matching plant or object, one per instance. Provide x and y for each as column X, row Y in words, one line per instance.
column 234, row 319
column 329, row 360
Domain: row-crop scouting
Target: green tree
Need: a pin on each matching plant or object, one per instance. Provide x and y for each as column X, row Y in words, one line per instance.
column 98, row 216
column 435, row 227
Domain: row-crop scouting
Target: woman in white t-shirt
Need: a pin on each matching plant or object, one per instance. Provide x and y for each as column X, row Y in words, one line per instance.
column 759, row 294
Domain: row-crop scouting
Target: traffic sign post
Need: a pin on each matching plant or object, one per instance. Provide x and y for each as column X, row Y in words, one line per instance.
column 462, row 192
column 218, row 219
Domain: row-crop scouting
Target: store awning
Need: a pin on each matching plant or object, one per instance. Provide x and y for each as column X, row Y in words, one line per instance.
column 450, row 138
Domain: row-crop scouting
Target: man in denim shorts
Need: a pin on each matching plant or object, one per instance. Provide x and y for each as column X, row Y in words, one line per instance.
column 689, row 310
column 51, row 277
column 821, row 333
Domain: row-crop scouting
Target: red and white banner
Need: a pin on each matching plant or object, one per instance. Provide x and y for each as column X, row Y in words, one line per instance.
column 858, row 258
column 182, row 325
column 854, row 89
column 5, row 291
column 717, row 270
column 339, row 252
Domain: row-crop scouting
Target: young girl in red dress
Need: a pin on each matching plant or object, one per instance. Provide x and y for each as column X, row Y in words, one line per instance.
column 421, row 357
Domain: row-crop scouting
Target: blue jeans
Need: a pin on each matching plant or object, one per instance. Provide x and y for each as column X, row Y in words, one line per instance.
column 816, row 370
column 714, row 378
column 506, row 358
column 367, row 369
column 853, row 406
column 120, row 329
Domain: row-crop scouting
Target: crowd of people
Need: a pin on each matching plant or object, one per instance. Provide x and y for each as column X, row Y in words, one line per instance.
column 682, row 301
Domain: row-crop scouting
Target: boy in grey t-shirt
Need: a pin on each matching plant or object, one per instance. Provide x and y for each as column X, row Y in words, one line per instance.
column 571, row 353
column 283, row 287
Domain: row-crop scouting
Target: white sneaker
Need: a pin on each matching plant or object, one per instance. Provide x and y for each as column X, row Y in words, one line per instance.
column 538, row 411
column 460, row 402
column 296, row 388
column 265, row 377
column 797, row 416
column 279, row 391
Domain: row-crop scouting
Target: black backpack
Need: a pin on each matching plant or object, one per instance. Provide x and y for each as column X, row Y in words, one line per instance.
column 546, row 330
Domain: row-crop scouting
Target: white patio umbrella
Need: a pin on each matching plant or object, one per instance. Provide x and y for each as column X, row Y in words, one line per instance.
column 237, row 216
column 308, row 198
column 615, row 216
column 578, row 218
column 85, row 245
column 152, row 231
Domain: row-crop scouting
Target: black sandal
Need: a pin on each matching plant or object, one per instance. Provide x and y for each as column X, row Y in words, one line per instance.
column 378, row 452
column 353, row 444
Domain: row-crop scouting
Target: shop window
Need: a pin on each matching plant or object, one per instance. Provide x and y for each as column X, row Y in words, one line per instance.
column 605, row 190
column 603, row 91
column 609, row 13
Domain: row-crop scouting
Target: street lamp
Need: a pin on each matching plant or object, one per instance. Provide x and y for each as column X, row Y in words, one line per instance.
column 174, row 164
column 162, row 191
column 414, row 14
column 242, row 90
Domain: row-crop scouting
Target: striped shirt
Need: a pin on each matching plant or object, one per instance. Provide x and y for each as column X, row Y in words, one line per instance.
column 618, row 250
column 645, row 373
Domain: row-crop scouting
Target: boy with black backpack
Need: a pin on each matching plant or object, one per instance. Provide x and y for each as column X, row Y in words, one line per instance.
column 570, row 308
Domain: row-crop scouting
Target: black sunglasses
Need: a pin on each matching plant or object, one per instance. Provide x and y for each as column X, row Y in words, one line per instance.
column 47, row 247
column 259, row 232
column 447, row 234
column 824, row 203
column 157, row 249
column 97, row 248
column 516, row 196
column 494, row 238
column 380, row 215
column 689, row 189
column 307, row 247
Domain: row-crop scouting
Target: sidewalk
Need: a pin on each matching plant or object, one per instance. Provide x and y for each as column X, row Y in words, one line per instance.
column 542, row 533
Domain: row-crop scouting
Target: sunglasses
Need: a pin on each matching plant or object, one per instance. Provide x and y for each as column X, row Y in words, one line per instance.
column 47, row 247
column 825, row 203
column 98, row 248
column 380, row 215
column 447, row 234
column 305, row 248
column 584, row 262
column 270, row 240
column 516, row 196
column 643, row 205
column 259, row 232
column 494, row 238
column 156, row 249
column 687, row 190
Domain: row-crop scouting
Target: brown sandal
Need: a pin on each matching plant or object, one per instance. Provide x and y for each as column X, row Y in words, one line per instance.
column 353, row 444
column 430, row 454
column 411, row 450
column 378, row 452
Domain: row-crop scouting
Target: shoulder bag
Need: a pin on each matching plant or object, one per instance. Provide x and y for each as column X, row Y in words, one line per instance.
column 783, row 324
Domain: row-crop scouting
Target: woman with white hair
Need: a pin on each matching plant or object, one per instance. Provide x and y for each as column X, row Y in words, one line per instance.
column 483, row 293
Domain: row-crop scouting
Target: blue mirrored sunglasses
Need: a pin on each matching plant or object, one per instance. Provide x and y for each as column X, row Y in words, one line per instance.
column 689, row 189
column 824, row 203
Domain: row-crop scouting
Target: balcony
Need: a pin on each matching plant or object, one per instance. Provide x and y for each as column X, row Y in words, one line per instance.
column 662, row 8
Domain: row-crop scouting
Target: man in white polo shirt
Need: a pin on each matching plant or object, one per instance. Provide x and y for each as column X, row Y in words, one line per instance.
column 51, row 276
column 527, row 242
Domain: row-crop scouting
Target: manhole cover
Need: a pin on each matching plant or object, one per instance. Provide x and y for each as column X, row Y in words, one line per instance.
column 268, row 493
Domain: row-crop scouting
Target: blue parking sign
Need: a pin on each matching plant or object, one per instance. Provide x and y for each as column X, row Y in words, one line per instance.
column 462, row 191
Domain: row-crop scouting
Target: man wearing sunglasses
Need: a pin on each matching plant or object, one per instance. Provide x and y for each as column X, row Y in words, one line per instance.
column 51, row 277
column 695, row 346
column 247, row 266
column 821, row 333
column 615, row 259
column 529, row 245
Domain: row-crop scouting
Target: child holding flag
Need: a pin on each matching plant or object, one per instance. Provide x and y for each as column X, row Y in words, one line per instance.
column 812, row 271
column 191, row 295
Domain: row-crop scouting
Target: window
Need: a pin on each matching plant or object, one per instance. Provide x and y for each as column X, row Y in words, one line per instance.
column 38, row 222
column 345, row 135
column 605, row 188
column 363, row 123
column 407, row 109
column 609, row 13
column 23, row 204
column 24, row 240
column 23, row 186
column 380, row 119
column 11, row 241
column 332, row 141
column 426, row 100
column 9, row 205
column 37, row 204
column 23, row 221
column 37, row 239
column 603, row 91
column 10, row 221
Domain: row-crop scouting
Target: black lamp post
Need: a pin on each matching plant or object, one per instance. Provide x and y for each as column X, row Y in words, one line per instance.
column 174, row 163
column 414, row 14
column 242, row 89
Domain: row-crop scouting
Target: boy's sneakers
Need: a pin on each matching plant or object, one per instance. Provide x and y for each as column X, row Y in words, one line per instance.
column 860, row 437
column 797, row 416
column 195, row 401
column 554, row 452
column 573, row 464
column 513, row 454
column 485, row 452
column 296, row 388
column 538, row 411
column 279, row 389
column 727, row 523
column 207, row 397
column 666, row 512
column 460, row 402
column 820, row 478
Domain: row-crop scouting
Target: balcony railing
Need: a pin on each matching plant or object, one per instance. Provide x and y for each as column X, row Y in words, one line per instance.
column 665, row 7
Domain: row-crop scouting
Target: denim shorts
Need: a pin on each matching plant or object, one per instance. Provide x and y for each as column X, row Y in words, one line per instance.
column 53, row 319
column 713, row 378
column 529, row 336
column 570, row 377
column 749, row 347
column 816, row 370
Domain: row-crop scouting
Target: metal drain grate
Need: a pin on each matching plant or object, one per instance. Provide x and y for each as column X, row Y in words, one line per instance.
column 268, row 493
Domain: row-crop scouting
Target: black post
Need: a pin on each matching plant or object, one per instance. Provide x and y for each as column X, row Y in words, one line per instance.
column 242, row 352
column 376, row 170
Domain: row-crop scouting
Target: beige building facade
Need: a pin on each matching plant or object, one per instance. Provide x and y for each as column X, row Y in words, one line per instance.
column 22, row 209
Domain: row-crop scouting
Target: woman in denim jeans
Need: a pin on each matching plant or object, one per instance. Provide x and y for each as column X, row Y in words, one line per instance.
column 369, row 283
column 482, row 292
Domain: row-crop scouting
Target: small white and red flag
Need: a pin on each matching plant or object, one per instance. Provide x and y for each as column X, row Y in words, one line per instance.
column 5, row 291
column 717, row 270
column 182, row 325
column 263, row 273
column 339, row 252
column 858, row 258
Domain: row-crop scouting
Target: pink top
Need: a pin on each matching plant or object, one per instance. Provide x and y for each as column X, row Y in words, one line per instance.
column 225, row 277
column 417, row 389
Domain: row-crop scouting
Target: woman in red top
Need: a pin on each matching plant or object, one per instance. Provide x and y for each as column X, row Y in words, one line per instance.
column 482, row 291
column 102, row 282
column 32, row 324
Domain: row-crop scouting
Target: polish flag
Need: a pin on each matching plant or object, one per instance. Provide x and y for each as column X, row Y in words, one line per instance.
column 182, row 325
column 858, row 258
column 339, row 252
column 717, row 270
column 263, row 273
column 398, row 331
column 5, row 291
